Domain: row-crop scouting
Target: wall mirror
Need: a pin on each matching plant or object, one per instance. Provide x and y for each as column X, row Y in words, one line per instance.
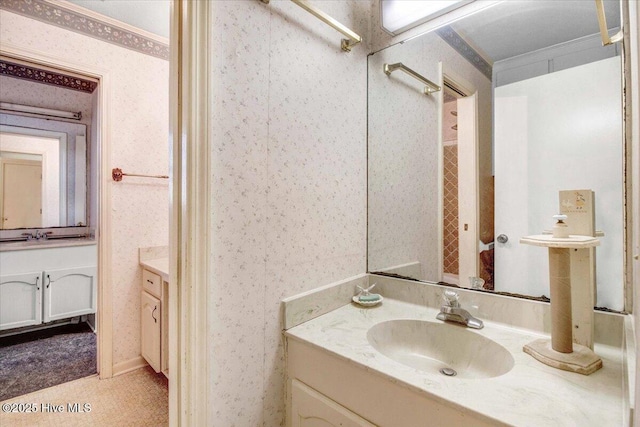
column 43, row 165
column 529, row 104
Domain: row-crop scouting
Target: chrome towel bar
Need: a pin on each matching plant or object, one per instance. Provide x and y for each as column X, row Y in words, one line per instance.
column 602, row 22
column 117, row 175
column 428, row 90
column 345, row 44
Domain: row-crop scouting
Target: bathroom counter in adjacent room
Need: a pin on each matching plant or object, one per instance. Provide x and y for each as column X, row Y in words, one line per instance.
column 156, row 260
column 159, row 266
column 530, row 394
column 46, row 244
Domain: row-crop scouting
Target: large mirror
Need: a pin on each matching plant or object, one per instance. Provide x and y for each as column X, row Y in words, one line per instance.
column 43, row 166
column 527, row 123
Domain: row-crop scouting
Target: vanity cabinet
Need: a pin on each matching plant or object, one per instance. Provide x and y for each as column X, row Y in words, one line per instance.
column 151, row 329
column 154, row 321
column 312, row 409
column 20, row 300
column 42, row 285
column 69, row 292
column 326, row 390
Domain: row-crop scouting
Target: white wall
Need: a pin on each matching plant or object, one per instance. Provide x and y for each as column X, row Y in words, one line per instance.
column 138, row 128
column 289, row 186
column 569, row 139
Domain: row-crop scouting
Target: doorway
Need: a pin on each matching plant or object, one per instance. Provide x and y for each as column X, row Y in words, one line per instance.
column 55, row 331
column 459, row 193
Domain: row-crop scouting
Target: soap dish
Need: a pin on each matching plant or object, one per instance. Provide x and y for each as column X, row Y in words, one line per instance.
column 366, row 303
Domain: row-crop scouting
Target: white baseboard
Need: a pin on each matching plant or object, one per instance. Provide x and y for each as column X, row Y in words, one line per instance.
column 128, row 365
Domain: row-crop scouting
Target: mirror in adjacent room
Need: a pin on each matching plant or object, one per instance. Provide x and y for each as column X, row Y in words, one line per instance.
column 45, row 115
column 43, row 174
column 530, row 105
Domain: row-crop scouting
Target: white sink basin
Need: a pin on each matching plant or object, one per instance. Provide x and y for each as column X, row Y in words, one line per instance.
column 430, row 347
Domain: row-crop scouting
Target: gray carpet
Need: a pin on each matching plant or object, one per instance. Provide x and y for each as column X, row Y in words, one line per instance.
column 41, row 359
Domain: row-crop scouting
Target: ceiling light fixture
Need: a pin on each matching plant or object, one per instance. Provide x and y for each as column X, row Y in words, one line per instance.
column 401, row 15
column 6, row 106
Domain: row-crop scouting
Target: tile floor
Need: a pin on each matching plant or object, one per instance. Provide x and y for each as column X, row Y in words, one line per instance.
column 138, row 398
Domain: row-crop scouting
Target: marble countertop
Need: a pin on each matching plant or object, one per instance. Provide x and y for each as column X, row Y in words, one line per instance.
column 46, row 244
column 531, row 394
column 159, row 266
column 155, row 259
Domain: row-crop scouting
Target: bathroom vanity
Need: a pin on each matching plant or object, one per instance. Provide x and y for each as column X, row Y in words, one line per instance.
column 154, row 315
column 45, row 281
column 358, row 366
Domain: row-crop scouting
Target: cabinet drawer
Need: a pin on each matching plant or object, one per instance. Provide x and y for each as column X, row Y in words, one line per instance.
column 152, row 283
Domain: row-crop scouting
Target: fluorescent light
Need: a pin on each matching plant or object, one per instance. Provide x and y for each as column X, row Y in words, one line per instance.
column 40, row 111
column 401, row 15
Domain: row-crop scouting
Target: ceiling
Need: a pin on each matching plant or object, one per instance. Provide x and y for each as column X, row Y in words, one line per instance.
column 514, row 27
column 508, row 29
column 149, row 15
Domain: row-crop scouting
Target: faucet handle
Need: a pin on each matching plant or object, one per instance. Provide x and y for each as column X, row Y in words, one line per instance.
column 450, row 298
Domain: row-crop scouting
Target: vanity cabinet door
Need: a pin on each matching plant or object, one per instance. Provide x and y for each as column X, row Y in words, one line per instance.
column 20, row 300
column 69, row 292
column 312, row 409
column 150, row 333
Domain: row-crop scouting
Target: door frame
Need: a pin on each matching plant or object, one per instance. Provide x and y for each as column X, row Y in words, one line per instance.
column 447, row 73
column 104, row 313
column 191, row 212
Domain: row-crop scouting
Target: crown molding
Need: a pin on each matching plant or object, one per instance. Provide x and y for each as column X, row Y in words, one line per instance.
column 40, row 75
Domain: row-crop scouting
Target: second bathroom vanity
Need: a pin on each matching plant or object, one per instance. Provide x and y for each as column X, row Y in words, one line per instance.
column 154, row 313
column 46, row 281
column 343, row 366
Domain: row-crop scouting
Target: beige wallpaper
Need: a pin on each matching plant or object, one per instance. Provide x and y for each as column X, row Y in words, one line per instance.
column 138, row 128
column 289, row 186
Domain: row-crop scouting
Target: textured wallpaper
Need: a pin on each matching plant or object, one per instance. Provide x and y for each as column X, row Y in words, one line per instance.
column 403, row 154
column 289, row 182
column 138, row 143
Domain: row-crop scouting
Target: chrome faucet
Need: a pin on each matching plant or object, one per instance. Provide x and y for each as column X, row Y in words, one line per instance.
column 38, row 235
column 452, row 312
column 29, row 236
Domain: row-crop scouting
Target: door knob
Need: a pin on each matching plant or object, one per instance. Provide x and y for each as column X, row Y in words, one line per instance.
column 503, row 238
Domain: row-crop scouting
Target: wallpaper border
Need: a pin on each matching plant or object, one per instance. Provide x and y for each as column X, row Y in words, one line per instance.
column 454, row 40
column 25, row 72
column 74, row 21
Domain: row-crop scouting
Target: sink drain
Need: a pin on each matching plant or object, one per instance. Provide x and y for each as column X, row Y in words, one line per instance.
column 448, row 372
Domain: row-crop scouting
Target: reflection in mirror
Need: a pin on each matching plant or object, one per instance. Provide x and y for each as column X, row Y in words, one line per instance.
column 457, row 177
column 39, row 189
